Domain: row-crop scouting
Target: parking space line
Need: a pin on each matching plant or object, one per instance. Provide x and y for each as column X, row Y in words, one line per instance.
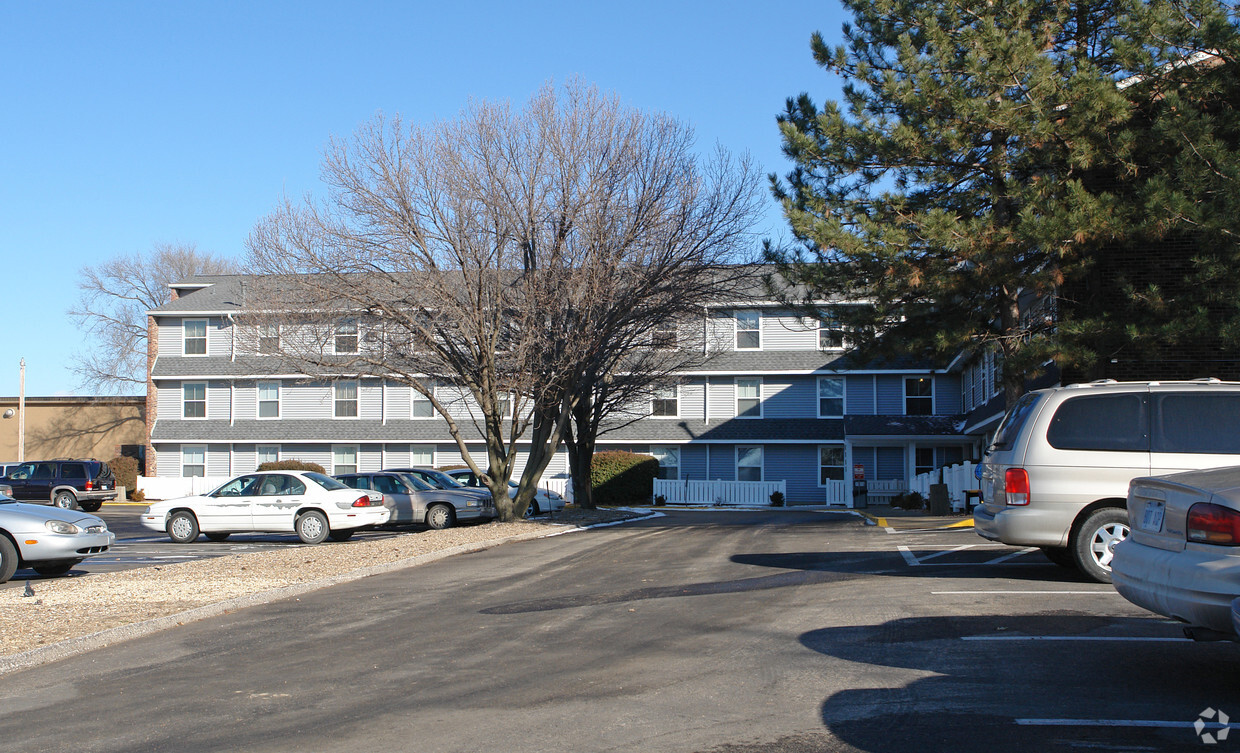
column 1057, row 593
column 961, row 548
column 1133, row 638
column 1004, row 559
column 1013, row 555
column 908, row 555
column 1162, row 724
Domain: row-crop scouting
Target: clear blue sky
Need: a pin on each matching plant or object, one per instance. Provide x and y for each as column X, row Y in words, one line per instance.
column 129, row 124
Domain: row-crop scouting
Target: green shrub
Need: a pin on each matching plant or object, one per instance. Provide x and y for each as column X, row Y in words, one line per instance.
column 292, row 465
column 125, row 471
column 622, row 478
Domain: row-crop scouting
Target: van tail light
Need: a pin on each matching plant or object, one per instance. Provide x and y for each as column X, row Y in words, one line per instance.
column 1016, row 486
column 90, row 485
column 365, row 501
column 1213, row 524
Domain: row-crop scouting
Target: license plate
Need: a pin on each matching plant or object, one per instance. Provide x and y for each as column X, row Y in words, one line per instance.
column 1152, row 520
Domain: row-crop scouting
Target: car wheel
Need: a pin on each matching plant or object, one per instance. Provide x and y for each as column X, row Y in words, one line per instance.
column 8, row 559
column 440, row 517
column 182, row 527
column 344, row 535
column 312, row 527
column 1060, row 555
column 218, row 536
column 1095, row 540
column 52, row 569
column 91, row 506
column 531, row 510
column 65, row 500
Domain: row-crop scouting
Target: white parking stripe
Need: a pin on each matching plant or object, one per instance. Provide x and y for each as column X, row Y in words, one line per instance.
column 1057, row 593
column 1118, row 723
column 960, row 548
column 908, row 556
column 1073, row 638
column 1013, row 555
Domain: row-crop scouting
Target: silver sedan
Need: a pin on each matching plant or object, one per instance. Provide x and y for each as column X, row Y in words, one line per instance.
column 50, row 540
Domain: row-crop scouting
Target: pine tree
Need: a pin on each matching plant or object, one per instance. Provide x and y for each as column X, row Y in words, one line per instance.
column 956, row 187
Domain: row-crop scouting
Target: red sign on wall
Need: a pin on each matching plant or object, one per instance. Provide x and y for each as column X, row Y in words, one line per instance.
column 858, row 472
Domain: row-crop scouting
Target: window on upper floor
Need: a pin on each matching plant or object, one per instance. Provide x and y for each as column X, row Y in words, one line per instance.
column 749, row 397
column 830, row 333
column 194, row 400
column 748, row 330
column 346, row 337
column 505, row 404
column 345, row 399
column 666, row 402
column 669, row 461
column 421, row 406
column 830, row 463
column 268, row 399
column 748, row 463
column 830, row 397
column 195, row 337
column 918, row 396
column 268, row 339
column 193, row 461
column 664, row 336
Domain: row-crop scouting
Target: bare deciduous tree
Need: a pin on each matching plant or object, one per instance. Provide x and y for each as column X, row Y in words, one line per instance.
column 503, row 257
column 115, row 298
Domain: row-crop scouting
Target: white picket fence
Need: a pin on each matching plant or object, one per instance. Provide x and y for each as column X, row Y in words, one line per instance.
column 719, row 492
column 838, row 493
column 158, row 487
column 959, row 479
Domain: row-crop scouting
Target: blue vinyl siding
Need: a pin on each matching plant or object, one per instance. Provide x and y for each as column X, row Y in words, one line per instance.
column 859, row 395
column 890, row 463
column 864, row 456
column 693, row 462
column 797, row 465
column 789, row 397
column 947, row 394
column 889, row 391
column 722, row 462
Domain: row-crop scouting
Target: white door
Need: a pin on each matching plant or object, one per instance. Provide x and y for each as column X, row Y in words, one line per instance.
column 279, row 495
column 229, row 507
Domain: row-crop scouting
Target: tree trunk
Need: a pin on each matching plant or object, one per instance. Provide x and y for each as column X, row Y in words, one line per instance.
column 580, row 453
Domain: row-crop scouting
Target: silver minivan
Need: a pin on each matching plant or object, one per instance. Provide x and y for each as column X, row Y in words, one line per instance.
column 1056, row 475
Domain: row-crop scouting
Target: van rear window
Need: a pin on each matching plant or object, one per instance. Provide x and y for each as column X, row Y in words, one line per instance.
column 1009, row 430
column 1199, row 422
column 1115, row 423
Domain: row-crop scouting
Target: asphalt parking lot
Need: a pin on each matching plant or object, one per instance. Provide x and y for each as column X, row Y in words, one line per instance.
column 761, row 631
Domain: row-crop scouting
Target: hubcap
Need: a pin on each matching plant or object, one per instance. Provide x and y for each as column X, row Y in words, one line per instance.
column 1103, row 545
column 311, row 526
column 180, row 528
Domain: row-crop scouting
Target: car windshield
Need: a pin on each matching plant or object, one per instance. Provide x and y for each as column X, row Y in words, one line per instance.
column 327, row 482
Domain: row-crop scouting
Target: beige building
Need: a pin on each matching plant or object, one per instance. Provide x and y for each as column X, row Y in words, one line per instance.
column 74, row 427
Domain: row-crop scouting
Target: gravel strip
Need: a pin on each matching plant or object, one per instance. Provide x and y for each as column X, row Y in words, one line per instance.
column 71, row 615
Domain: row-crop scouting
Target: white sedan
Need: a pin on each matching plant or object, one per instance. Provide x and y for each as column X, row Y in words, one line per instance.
column 312, row 505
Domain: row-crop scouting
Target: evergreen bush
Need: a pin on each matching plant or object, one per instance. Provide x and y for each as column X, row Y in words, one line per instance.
column 622, row 478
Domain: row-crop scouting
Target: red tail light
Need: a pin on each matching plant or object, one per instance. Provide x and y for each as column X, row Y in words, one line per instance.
column 1213, row 524
column 90, row 485
column 1016, row 486
column 364, row 501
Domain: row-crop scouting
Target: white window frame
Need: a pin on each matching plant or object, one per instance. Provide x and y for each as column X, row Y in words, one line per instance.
column 506, row 401
column 258, row 399
column 906, row 396
column 761, row 461
column 665, row 336
column 337, row 400
column 187, row 449
column 843, row 391
column 665, row 452
column 829, row 326
column 263, row 332
column 842, row 466
column 185, row 402
column 342, row 330
column 737, row 316
column 416, row 449
column 738, row 397
column 337, row 449
column 665, row 394
column 259, row 452
column 416, row 399
column 206, row 338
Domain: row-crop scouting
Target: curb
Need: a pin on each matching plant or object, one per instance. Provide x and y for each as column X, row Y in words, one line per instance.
column 915, row 523
column 82, row 644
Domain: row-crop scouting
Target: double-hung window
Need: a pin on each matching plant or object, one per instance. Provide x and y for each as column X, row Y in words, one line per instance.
column 748, row 330
column 268, row 399
column 749, row 397
column 421, row 406
column 830, row 397
column 344, row 459
column 923, row 460
column 193, row 460
column 422, row 454
column 345, row 399
column 663, row 336
column 748, row 463
column 830, row 333
column 669, row 461
column 268, row 339
column 346, row 337
column 195, row 337
column 267, row 453
column 830, row 463
column 194, row 400
column 666, row 403
column 919, row 396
